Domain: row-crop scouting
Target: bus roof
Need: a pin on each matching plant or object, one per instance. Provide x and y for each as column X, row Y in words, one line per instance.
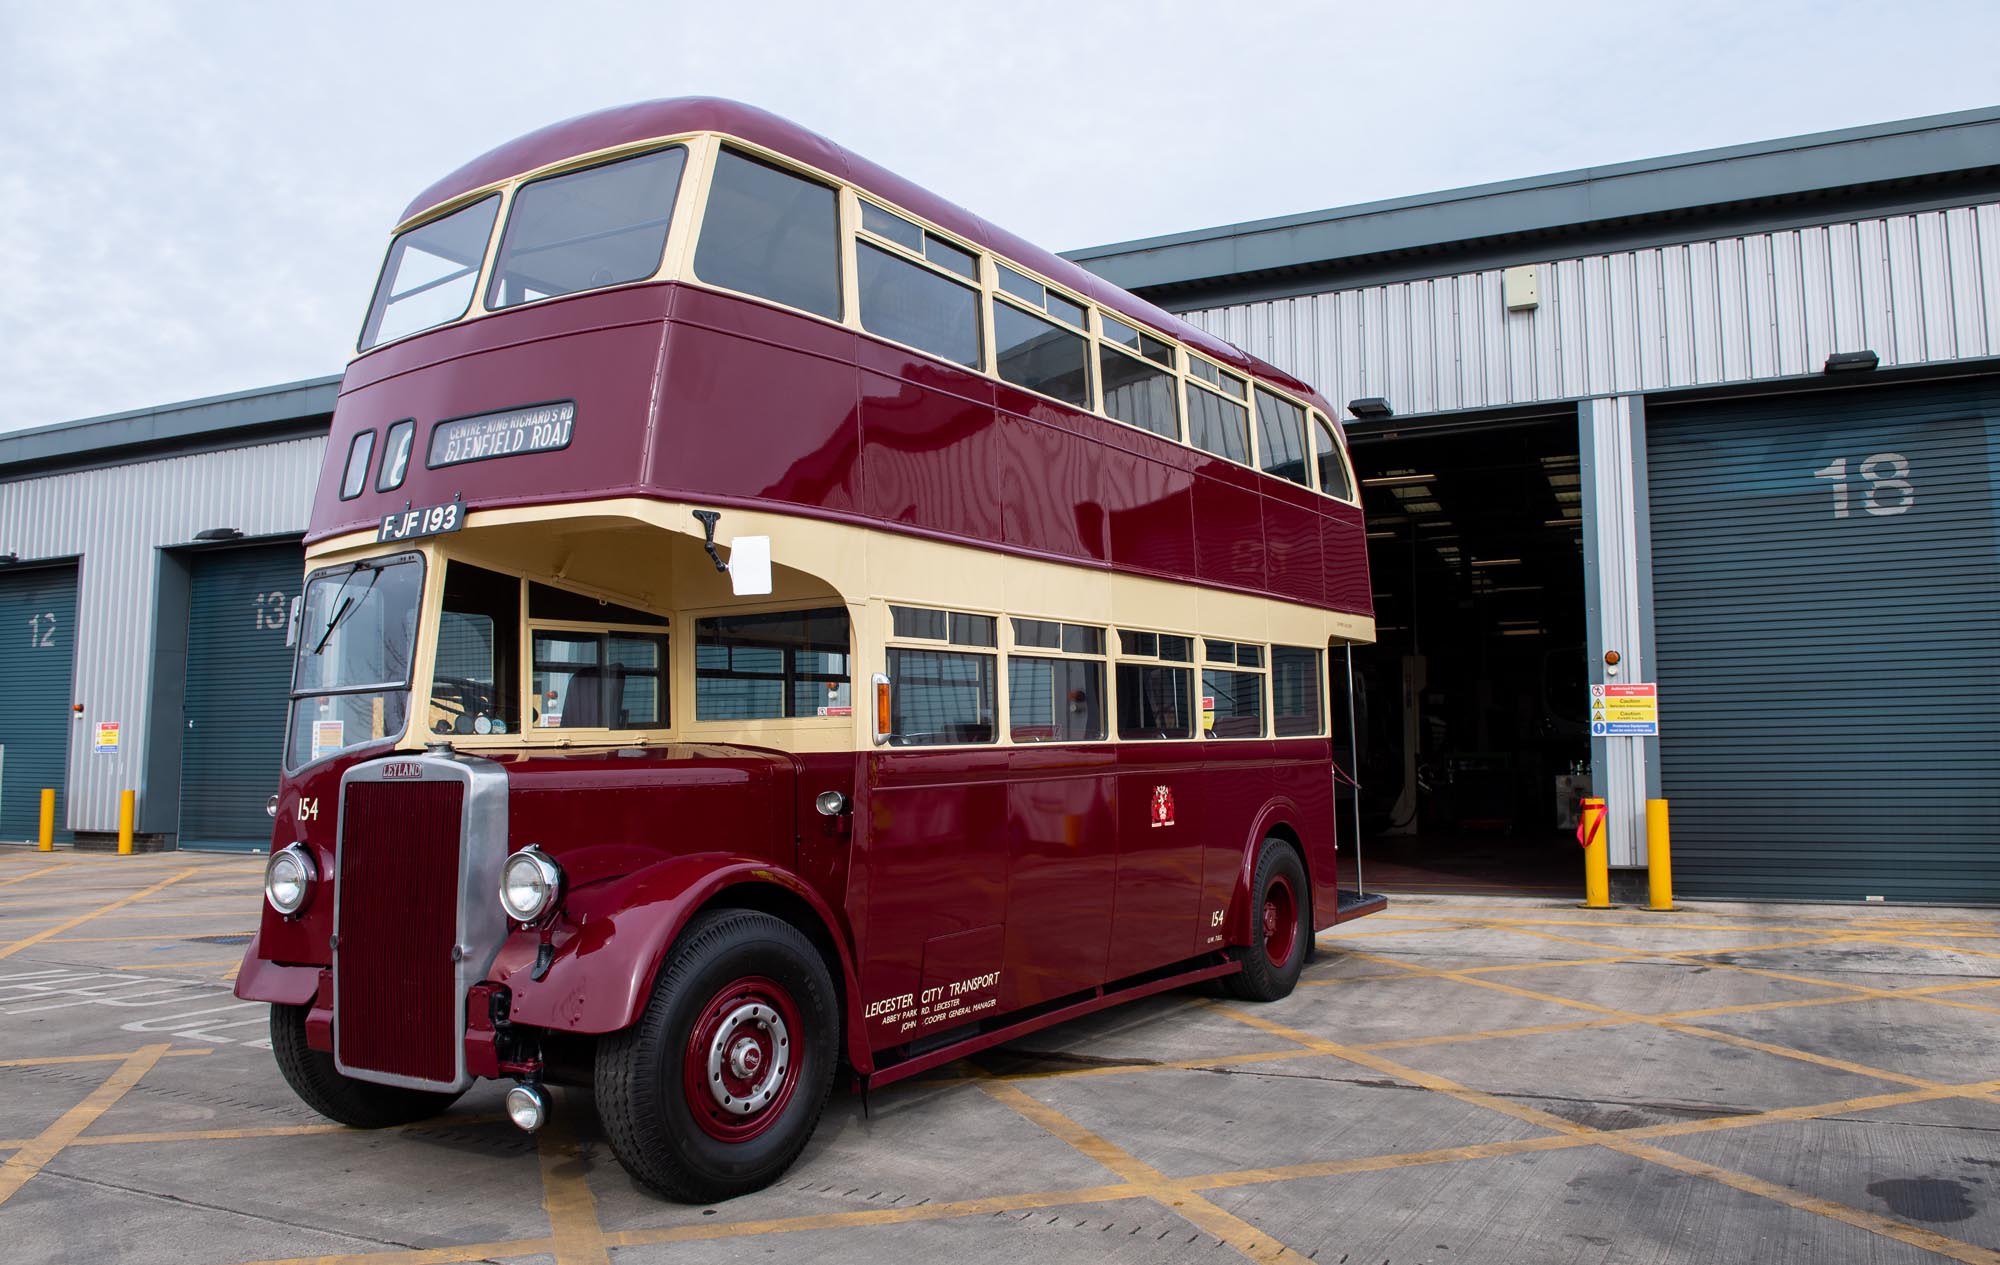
column 627, row 124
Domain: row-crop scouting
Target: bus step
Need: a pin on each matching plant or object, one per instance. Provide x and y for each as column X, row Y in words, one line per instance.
column 1354, row 904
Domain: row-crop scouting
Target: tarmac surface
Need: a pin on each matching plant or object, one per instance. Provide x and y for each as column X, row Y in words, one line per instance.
column 1459, row 1079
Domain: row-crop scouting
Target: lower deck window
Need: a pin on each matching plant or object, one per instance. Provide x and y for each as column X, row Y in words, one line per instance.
column 772, row 665
column 608, row 680
column 1232, row 704
column 1295, row 691
column 1055, row 700
column 1155, row 702
column 938, row 697
column 474, row 683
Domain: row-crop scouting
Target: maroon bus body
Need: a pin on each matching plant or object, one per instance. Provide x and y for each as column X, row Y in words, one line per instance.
column 1042, row 863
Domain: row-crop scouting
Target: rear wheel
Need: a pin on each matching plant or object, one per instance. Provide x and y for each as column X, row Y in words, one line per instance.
column 1279, row 929
column 717, row 1087
column 360, row 1104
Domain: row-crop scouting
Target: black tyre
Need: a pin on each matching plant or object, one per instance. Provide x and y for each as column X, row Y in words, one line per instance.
column 1279, row 923
column 715, row 1090
column 359, row 1104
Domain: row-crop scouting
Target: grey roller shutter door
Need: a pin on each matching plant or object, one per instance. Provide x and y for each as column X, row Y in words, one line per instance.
column 37, row 667
column 238, row 679
column 1826, row 583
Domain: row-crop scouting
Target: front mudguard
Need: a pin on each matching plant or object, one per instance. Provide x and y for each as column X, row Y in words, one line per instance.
column 261, row 980
column 609, row 941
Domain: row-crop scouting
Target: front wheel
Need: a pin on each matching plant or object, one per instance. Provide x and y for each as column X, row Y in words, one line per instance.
column 714, row 1091
column 358, row 1104
column 1279, row 928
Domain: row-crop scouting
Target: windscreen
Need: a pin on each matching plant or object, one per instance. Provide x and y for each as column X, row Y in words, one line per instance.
column 430, row 274
column 597, row 227
column 357, row 633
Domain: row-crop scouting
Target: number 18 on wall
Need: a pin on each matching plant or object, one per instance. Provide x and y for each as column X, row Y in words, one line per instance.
column 1884, row 490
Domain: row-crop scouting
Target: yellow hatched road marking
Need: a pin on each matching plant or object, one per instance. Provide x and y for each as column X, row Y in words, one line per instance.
column 59, row 1059
column 22, row 1166
column 1626, row 1145
column 1225, row 1226
column 22, row 878
column 16, row 946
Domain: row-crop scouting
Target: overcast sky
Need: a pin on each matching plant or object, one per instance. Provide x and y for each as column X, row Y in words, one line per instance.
column 194, row 197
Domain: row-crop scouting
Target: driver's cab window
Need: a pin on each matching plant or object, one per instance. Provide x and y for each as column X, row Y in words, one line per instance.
column 477, row 674
column 597, row 664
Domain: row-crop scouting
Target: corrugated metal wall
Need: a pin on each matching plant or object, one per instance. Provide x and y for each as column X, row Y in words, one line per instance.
column 1916, row 288
column 116, row 519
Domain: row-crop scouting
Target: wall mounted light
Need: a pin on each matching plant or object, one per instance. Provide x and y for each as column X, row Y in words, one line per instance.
column 1850, row 361
column 9, row 559
column 219, row 533
column 1370, row 406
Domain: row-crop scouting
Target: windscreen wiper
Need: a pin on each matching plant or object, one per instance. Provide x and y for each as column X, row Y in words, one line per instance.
column 346, row 603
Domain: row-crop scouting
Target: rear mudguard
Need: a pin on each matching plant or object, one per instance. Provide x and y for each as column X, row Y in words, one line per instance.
column 1319, row 862
column 612, row 937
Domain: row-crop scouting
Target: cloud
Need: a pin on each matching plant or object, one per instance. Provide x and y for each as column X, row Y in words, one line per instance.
column 195, row 198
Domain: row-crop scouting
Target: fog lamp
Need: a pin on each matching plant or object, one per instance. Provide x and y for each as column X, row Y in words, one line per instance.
column 289, row 877
column 527, row 1106
column 530, row 885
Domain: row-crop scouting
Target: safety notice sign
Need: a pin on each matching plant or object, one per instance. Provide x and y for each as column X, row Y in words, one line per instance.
column 1627, row 711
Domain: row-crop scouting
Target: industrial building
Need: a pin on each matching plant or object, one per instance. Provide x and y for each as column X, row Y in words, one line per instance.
column 1728, row 416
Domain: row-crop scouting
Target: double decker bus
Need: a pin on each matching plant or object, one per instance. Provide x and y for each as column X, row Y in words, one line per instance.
column 763, row 622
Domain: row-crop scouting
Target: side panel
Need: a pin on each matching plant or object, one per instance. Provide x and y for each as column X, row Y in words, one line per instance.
column 756, row 402
column 930, row 445
column 1163, row 814
column 1062, row 864
column 934, row 849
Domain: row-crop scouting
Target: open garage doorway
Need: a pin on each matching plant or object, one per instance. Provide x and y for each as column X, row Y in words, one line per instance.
column 1470, row 707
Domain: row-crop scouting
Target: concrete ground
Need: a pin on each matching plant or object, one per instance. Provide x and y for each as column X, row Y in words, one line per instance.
column 1459, row 1079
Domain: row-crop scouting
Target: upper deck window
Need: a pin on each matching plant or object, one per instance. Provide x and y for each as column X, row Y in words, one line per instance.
column 396, row 456
column 354, row 476
column 1333, row 478
column 918, row 306
column 585, row 229
column 772, row 234
column 1136, row 392
column 1281, row 438
column 1219, row 378
column 430, row 274
column 1218, row 425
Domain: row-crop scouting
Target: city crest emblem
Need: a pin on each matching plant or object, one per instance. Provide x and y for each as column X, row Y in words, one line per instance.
column 1163, row 806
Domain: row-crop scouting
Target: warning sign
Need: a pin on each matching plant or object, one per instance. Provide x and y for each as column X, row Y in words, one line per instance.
column 106, row 742
column 1627, row 711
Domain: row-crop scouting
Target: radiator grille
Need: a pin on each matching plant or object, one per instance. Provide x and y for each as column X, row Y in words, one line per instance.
column 398, row 889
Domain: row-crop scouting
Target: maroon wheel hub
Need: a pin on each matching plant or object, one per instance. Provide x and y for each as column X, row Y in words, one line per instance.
column 741, row 1063
column 1281, row 921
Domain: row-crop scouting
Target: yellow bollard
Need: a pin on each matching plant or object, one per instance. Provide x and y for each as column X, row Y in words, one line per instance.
column 48, row 835
column 1593, row 834
column 125, row 799
column 1659, row 857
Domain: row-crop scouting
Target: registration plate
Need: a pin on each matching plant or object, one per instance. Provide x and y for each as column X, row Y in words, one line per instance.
column 423, row 520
